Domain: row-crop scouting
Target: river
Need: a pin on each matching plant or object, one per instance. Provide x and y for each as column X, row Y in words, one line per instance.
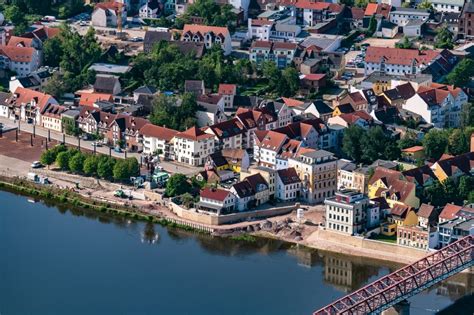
column 56, row 260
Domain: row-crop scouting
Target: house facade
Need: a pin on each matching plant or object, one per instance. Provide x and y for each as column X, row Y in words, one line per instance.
column 209, row 35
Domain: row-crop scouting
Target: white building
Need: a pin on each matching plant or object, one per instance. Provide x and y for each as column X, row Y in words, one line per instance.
column 21, row 60
column 157, row 140
column 149, row 10
column 216, row 200
column 401, row 16
column 288, row 185
column 345, row 175
column 106, row 14
column 209, row 35
column 193, row 146
column 447, row 5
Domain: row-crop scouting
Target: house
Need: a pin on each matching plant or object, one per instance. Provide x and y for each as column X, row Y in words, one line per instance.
column 150, row 10
column 451, row 231
column 386, row 29
column 27, row 105
column 454, row 167
column 447, row 6
column 414, row 153
column 267, row 145
column 359, row 118
column 94, row 121
column 107, row 84
column 193, row 146
column 466, row 21
column 157, row 140
column 427, row 216
column 321, row 110
column 253, row 120
column 241, row 5
column 402, row 215
column 313, row 82
column 209, row 35
column 348, row 211
column 288, row 185
column 402, row 16
column 34, row 81
column 4, row 104
column 51, row 117
column 110, row 68
column 438, row 104
column 280, row 53
column 357, row 101
column 309, row 13
column 343, row 109
column 317, row 170
column 195, row 87
column 228, row 134
column 90, row 99
column 227, row 92
column 398, row 61
column 251, row 192
column 391, row 185
column 126, row 128
column 154, row 37
column 237, row 159
column 322, row 42
column 417, row 237
column 215, row 200
column 283, row 32
column 41, row 33
column 210, row 110
column 449, row 212
column 21, row 60
column 106, row 14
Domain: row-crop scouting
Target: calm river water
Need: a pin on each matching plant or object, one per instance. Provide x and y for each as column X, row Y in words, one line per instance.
column 54, row 260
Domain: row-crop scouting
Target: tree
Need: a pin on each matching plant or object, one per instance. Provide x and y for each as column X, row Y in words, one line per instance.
column 457, row 142
column 90, row 165
column 444, row 38
column 466, row 186
column 105, row 167
column 351, row 143
column 76, row 162
column 289, row 83
column 425, row 4
column 177, row 185
column 435, row 143
column 187, row 199
column 409, row 140
column 52, row 51
column 405, row 43
column 47, row 157
column 167, row 112
column 62, row 160
column 124, row 169
column 372, row 25
column 14, row 14
column 467, row 115
column 461, row 75
column 211, row 12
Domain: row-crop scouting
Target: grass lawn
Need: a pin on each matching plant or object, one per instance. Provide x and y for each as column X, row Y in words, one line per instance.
column 384, row 238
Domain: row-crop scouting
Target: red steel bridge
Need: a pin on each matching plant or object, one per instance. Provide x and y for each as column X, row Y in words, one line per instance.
column 407, row 281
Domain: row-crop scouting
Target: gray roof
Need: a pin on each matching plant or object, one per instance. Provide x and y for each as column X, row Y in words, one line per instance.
column 286, row 28
column 71, row 113
column 321, row 42
column 110, row 68
column 317, row 154
column 401, row 10
column 448, row 2
column 414, row 22
column 145, row 89
column 4, row 96
column 346, row 165
column 105, row 82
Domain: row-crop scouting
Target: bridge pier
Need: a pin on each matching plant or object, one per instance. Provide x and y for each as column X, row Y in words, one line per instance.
column 402, row 308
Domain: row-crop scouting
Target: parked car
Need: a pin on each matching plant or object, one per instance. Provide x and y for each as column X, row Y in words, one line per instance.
column 96, row 144
column 118, row 149
column 36, row 164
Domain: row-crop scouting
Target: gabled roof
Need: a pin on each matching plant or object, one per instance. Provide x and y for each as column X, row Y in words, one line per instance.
column 26, row 96
column 194, row 133
column 227, row 89
column 291, row 102
column 425, row 211
column 449, row 211
column 272, row 141
column 88, row 99
column 227, row 129
column 398, row 56
column 18, row 54
column 463, row 162
column 345, row 108
column 150, row 130
column 203, row 29
column 322, row 107
column 400, row 211
column 105, row 82
column 17, row 41
column 420, row 175
column 215, row 194
column 288, row 176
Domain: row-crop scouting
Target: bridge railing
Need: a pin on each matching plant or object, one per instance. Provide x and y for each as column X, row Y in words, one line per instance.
column 407, row 281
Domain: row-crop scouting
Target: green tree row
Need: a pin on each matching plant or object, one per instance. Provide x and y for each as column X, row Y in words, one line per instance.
column 101, row 166
column 450, row 191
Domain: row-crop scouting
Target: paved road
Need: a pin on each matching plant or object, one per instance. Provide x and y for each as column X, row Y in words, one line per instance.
column 169, row 166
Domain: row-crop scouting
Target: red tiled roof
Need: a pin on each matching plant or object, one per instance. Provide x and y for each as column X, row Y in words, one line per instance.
column 88, row 99
column 416, row 148
column 398, row 56
column 159, row 132
column 272, row 140
column 307, row 4
column 20, row 41
column 288, row 176
column 257, row 22
column 292, row 102
column 425, row 210
column 18, row 54
column 314, row 76
column 214, row 194
column 371, row 9
column 24, row 96
column 262, row 44
column 194, row 133
column 449, row 211
column 203, row 29
column 227, row 89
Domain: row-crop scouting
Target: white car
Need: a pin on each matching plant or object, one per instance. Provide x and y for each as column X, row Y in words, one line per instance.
column 36, row 164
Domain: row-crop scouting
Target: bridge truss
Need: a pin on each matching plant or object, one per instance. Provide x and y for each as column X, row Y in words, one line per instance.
column 407, row 281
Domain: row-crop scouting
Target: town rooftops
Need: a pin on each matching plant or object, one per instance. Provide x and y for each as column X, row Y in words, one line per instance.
column 105, row 82
column 227, row 89
column 416, row 148
column 16, row 41
column 150, row 130
column 398, row 56
column 26, row 96
column 88, row 99
column 228, row 128
column 271, row 140
column 425, row 210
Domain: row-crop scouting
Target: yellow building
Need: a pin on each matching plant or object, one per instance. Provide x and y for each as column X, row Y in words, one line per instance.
column 400, row 216
column 454, row 166
column 414, row 153
column 392, row 186
column 343, row 109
